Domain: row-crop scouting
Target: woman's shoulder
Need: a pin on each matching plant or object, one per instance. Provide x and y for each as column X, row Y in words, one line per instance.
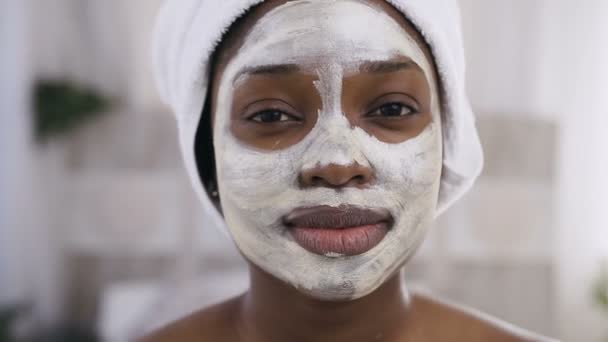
column 460, row 323
column 446, row 321
column 214, row 323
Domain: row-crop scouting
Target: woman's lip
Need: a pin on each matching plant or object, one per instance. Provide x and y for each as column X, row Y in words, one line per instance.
column 340, row 242
column 338, row 231
column 336, row 217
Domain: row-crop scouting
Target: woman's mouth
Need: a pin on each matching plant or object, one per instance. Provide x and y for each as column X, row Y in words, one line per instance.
column 338, row 231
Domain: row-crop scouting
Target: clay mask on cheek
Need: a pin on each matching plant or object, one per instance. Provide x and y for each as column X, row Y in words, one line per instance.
column 330, row 39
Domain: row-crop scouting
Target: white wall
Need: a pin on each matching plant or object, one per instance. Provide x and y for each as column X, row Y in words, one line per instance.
column 141, row 14
column 548, row 59
column 511, row 54
column 15, row 151
column 29, row 260
column 105, row 44
column 581, row 44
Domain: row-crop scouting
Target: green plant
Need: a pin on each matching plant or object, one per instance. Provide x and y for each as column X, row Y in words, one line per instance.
column 60, row 106
column 7, row 317
column 600, row 291
column 67, row 333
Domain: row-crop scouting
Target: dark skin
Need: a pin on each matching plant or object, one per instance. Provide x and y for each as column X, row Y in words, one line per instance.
column 274, row 109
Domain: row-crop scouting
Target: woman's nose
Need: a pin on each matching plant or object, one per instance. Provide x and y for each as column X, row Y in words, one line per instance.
column 337, row 176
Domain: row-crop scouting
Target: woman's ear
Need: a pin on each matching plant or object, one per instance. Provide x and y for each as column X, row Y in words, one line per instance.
column 214, row 194
column 205, row 154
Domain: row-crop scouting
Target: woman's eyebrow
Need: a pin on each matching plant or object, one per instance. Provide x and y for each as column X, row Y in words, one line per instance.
column 379, row 67
column 270, row 69
column 376, row 67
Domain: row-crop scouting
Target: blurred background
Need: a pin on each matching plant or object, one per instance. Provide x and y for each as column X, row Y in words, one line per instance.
column 101, row 236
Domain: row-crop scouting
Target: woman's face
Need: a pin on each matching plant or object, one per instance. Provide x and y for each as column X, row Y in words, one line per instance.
column 327, row 139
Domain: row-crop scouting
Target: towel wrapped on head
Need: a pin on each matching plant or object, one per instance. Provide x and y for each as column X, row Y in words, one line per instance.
column 188, row 31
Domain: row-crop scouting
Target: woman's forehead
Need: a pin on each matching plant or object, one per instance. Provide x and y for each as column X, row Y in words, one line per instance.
column 313, row 34
column 241, row 32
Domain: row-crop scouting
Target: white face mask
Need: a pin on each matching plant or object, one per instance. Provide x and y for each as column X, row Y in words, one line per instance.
column 329, row 38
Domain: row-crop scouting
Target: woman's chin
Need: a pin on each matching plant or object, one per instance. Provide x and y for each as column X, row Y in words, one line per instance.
column 336, row 292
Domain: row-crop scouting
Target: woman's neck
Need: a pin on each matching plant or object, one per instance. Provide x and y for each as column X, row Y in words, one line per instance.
column 275, row 311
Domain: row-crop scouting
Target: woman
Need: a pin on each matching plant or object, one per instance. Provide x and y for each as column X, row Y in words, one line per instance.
column 332, row 135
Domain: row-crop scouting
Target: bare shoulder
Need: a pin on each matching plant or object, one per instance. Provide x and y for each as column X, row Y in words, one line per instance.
column 464, row 324
column 215, row 323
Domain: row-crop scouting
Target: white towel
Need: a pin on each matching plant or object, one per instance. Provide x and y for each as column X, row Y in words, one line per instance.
column 187, row 32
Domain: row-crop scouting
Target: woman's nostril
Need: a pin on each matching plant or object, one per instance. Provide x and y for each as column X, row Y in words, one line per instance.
column 316, row 180
column 359, row 179
column 336, row 176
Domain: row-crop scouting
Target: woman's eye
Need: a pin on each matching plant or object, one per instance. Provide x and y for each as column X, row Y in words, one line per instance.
column 393, row 110
column 270, row 116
